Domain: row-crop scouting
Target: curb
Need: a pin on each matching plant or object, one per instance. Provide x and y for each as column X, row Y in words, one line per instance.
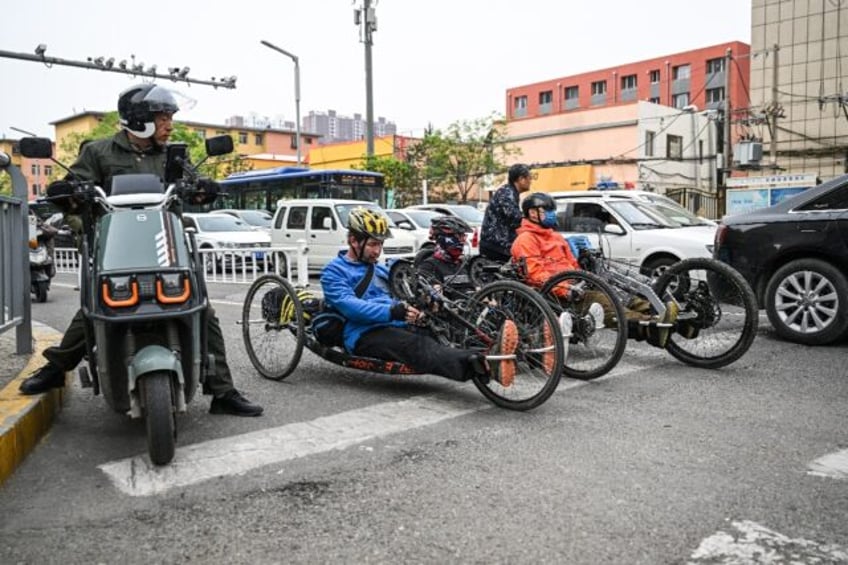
column 24, row 420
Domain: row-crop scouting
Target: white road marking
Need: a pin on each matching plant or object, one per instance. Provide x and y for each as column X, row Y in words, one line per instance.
column 833, row 465
column 192, row 464
column 750, row 542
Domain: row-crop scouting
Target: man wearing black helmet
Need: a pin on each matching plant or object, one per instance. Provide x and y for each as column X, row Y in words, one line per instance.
column 545, row 253
column 447, row 266
column 381, row 327
column 146, row 118
column 503, row 215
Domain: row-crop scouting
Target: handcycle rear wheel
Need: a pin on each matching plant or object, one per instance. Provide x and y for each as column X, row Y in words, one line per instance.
column 718, row 315
column 273, row 335
column 596, row 344
column 540, row 353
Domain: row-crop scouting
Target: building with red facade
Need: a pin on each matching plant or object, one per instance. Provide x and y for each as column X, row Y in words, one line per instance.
column 696, row 77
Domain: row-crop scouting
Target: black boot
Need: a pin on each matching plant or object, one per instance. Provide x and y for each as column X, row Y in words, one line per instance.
column 232, row 402
column 47, row 377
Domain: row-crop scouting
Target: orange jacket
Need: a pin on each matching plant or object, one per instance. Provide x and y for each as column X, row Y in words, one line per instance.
column 545, row 252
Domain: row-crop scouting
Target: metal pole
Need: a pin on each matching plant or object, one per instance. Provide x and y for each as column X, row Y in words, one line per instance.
column 296, row 60
column 369, row 21
column 728, row 146
column 774, row 111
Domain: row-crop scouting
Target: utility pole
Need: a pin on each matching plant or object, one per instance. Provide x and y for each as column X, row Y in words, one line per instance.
column 366, row 18
column 728, row 147
column 774, row 108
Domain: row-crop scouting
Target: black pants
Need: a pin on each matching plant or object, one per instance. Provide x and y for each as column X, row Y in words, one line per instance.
column 70, row 351
column 418, row 349
column 494, row 255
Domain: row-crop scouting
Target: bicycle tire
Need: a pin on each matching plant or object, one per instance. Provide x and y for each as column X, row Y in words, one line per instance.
column 273, row 345
column 594, row 351
column 539, row 357
column 717, row 303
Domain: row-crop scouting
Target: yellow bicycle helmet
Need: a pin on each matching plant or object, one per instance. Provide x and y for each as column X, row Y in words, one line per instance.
column 365, row 223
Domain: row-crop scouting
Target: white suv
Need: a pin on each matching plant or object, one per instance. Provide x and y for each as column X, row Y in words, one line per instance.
column 634, row 229
column 322, row 224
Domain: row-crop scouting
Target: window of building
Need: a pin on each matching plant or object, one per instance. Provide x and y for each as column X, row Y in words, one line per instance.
column 715, row 66
column 680, row 101
column 674, row 147
column 35, row 169
column 242, row 137
column 654, row 76
column 35, row 190
column 546, row 97
column 572, row 92
column 257, row 139
column 294, row 142
column 201, row 132
column 654, row 100
column 714, row 95
column 599, row 87
column 48, row 170
column 628, row 82
column 520, row 106
column 649, row 143
column 681, row 72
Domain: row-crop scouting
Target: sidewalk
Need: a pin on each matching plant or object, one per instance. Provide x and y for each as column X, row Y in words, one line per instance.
column 23, row 419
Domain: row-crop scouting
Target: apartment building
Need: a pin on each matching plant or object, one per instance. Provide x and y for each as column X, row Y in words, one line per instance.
column 37, row 172
column 334, row 128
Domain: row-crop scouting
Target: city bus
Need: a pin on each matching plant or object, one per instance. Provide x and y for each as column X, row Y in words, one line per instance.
column 261, row 189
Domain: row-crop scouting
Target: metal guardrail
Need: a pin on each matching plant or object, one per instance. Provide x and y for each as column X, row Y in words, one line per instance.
column 15, row 299
column 240, row 266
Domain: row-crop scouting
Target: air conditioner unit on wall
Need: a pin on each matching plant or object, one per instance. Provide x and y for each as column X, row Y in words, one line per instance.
column 748, row 153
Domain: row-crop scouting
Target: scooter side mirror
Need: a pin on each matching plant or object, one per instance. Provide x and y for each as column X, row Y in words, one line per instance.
column 176, row 159
column 219, row 145
column 36, row 147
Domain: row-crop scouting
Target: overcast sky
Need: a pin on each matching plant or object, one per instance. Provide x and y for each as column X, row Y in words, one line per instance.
column 434, row 61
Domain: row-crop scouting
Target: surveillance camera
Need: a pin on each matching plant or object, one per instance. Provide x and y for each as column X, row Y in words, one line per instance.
column 184, row 72
column 99, row 61
column 40, row 49
column 110, row 62
column 123, row 64
column 173, row 70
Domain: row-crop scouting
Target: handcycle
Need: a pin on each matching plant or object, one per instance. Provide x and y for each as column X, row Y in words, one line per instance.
column 595, row 341
column 716, row 319
column 276, row 334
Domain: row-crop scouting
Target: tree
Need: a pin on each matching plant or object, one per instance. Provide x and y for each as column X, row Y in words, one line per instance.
column 398, row 175
column 456, row 161
column 5, row 184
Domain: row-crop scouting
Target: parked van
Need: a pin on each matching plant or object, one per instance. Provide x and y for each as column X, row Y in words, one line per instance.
column 322, row 224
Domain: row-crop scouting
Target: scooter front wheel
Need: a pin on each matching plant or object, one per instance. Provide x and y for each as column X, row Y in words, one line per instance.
column 159, row 416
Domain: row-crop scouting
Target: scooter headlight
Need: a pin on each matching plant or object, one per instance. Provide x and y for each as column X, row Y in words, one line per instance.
column 172, row 288
column 119, row 292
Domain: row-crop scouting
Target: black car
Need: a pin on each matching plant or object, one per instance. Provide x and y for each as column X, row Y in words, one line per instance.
column 795, row 256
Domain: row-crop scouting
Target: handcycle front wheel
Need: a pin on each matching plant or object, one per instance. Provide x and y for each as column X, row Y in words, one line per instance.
column 273, row 327
column 540, row 351
column 718, row 316
column 599, row 323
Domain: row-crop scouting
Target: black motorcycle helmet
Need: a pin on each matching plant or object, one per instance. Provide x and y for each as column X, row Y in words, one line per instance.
column 517, row 171
column 537, row 200
column 138, row 105
column 448, row 225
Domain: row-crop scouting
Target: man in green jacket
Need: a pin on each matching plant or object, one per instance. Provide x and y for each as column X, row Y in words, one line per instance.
column 146, row 112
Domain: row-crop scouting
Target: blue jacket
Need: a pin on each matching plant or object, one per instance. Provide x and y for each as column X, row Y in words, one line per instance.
column 338, row 281
column 502, row 218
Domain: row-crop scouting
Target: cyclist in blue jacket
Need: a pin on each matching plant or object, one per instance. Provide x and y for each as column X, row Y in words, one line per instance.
column 381, row 327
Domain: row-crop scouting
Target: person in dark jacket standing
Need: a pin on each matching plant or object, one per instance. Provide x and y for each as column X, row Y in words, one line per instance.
column 503, row 215
column 146, row 112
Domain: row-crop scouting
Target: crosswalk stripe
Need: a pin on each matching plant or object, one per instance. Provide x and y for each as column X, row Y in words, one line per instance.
column 833, row 465
column 136, row 476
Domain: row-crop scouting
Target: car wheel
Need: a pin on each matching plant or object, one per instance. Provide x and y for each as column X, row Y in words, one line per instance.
column 807, row 302
column 655, row 267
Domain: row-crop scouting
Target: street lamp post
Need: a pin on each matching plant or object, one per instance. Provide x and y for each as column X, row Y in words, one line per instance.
column 296, row 91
